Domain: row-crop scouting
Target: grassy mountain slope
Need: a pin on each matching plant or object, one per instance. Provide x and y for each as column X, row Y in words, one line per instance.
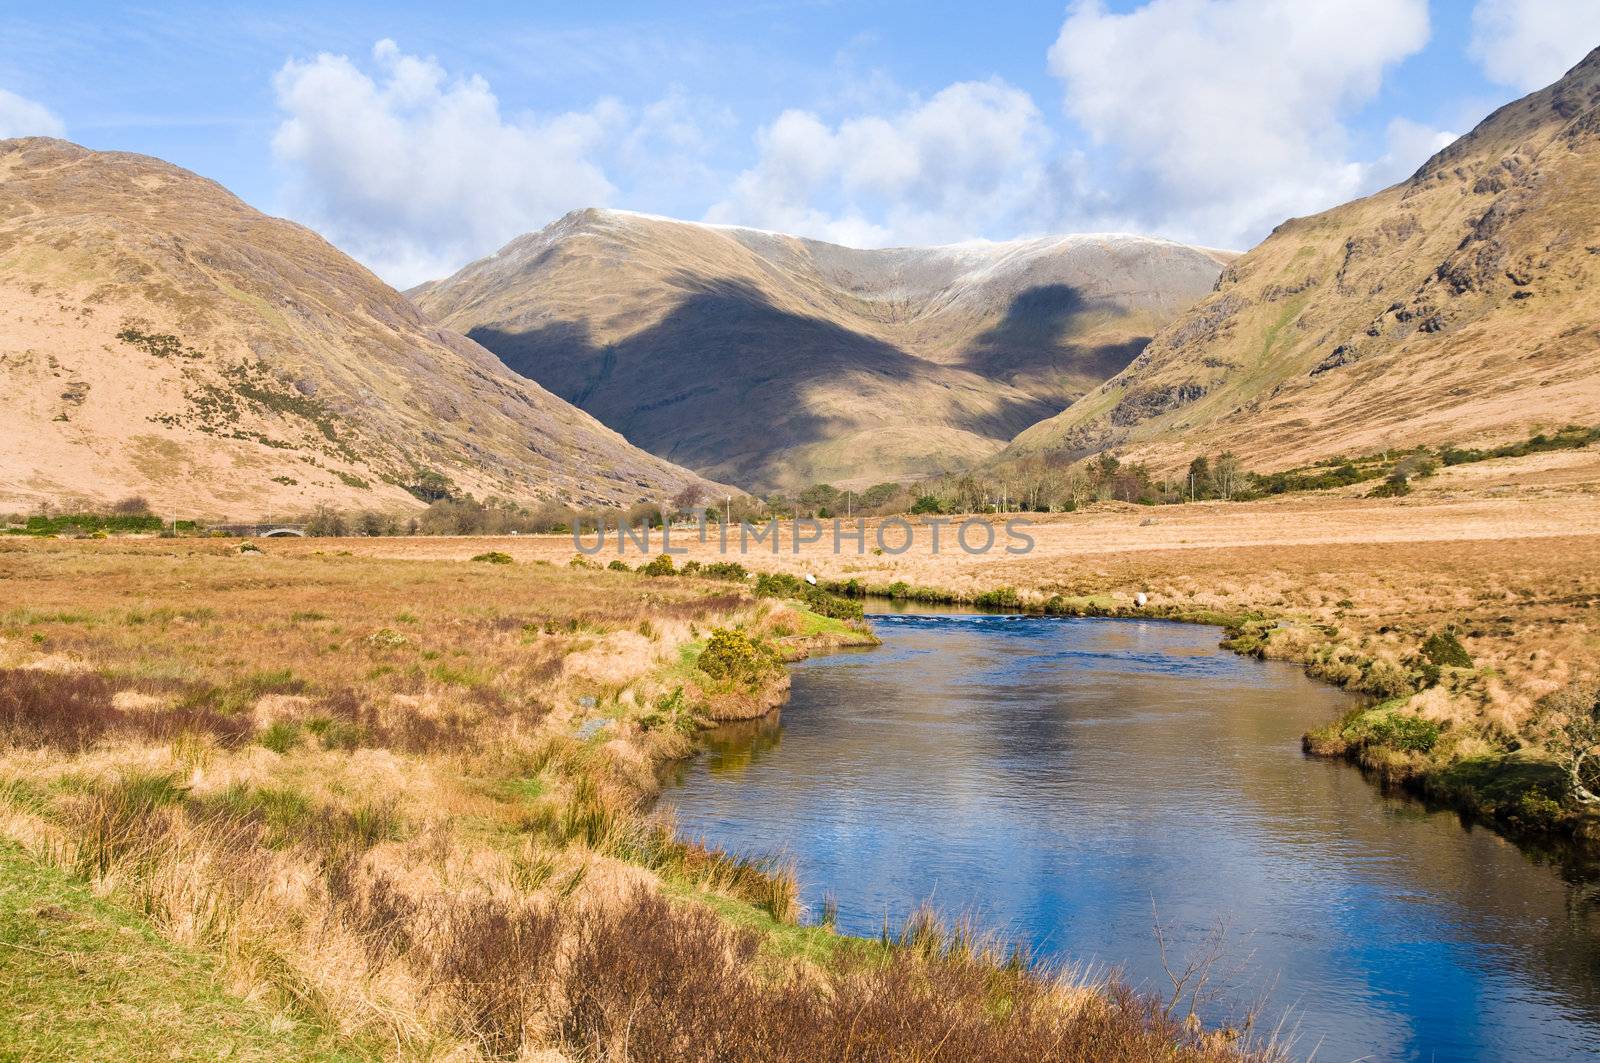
column 773, row 361
column 1458, row 306
column 160, row 337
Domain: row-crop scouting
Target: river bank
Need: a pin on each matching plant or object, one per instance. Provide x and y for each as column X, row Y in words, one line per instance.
column 1503, row 556
column 1081, row 781
column 398, row 804
column 1516, row 788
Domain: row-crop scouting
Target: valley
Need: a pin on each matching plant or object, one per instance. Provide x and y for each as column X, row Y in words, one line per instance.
column 774, row 362
column 340, row 720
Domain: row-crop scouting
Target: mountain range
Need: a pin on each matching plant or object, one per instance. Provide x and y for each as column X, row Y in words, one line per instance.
column 773, row 361
column 159, row 337
column 1461, row 305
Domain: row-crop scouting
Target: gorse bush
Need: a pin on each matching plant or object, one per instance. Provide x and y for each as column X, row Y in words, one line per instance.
column 1395, row 730
column 734, row 656
column 832, row 605
column 784, row 585
column 660, row 566
column 730, row 571
column 494, row 557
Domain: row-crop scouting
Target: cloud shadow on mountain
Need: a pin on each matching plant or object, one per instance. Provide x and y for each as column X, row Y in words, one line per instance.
column 722, row 381
column 1030, row 340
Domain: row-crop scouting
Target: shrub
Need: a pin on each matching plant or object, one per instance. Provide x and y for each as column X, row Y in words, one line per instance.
column 494, row 557
column 832, row 605
column 734, row 656
column 1393, row 730
column 619, row 566
column 731, row 571
column 926, row 504
column 661, row 566
column 999, row 598
column 779, row 585
column 72, row 711
column 1444, row 650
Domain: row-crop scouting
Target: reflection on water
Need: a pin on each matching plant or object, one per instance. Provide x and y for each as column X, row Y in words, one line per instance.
column 1063, row 780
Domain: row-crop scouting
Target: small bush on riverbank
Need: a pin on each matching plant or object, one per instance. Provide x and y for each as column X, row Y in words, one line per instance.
column 999, row 598
column 784, row 585
column 734, row 656
column 1397, row 730
column 1385, row 727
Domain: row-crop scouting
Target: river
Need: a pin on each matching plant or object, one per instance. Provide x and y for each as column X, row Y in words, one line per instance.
column 1072, row 783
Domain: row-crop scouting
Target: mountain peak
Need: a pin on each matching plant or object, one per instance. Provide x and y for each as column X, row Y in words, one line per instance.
column 163, row 338
column 1453, row 307
column 776, row 361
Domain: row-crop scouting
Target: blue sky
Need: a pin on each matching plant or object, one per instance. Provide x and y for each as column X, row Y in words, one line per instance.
column 418, row 137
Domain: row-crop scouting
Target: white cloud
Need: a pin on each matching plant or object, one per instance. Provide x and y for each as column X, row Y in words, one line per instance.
column 415, row 172
column 21, row 117
column 1224, row 117
column 1528, row 44
column 970, row 160
column 1408, row 145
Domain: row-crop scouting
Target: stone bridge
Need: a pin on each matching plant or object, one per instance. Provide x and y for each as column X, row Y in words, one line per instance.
column 261, row 531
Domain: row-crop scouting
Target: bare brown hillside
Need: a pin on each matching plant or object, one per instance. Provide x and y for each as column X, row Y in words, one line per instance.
column 773, row 361
column 160, row 337
column 1459, row 306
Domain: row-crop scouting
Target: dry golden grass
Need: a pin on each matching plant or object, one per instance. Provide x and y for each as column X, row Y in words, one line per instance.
column 401, row 803
column 1455, row 306
column 95, row 243
column 1506, row 552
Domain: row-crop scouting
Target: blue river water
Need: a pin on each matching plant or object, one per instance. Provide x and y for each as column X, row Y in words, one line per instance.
column 1074, row 783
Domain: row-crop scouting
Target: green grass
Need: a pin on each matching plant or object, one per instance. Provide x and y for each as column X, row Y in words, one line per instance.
column 82, row 979
column 1503, row 779
column 814, row 624
column 781, row 940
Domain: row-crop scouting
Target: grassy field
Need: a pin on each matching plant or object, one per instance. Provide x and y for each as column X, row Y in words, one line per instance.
column 1503, row 556
column 317, row 803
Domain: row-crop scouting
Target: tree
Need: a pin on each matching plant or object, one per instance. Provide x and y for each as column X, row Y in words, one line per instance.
column 688, row 498
column 1228, row 474
column 1573, row 735
column 326, row 521
column 1200, row 477
column 878, row 495
column 431, row 486
column 819, row 498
